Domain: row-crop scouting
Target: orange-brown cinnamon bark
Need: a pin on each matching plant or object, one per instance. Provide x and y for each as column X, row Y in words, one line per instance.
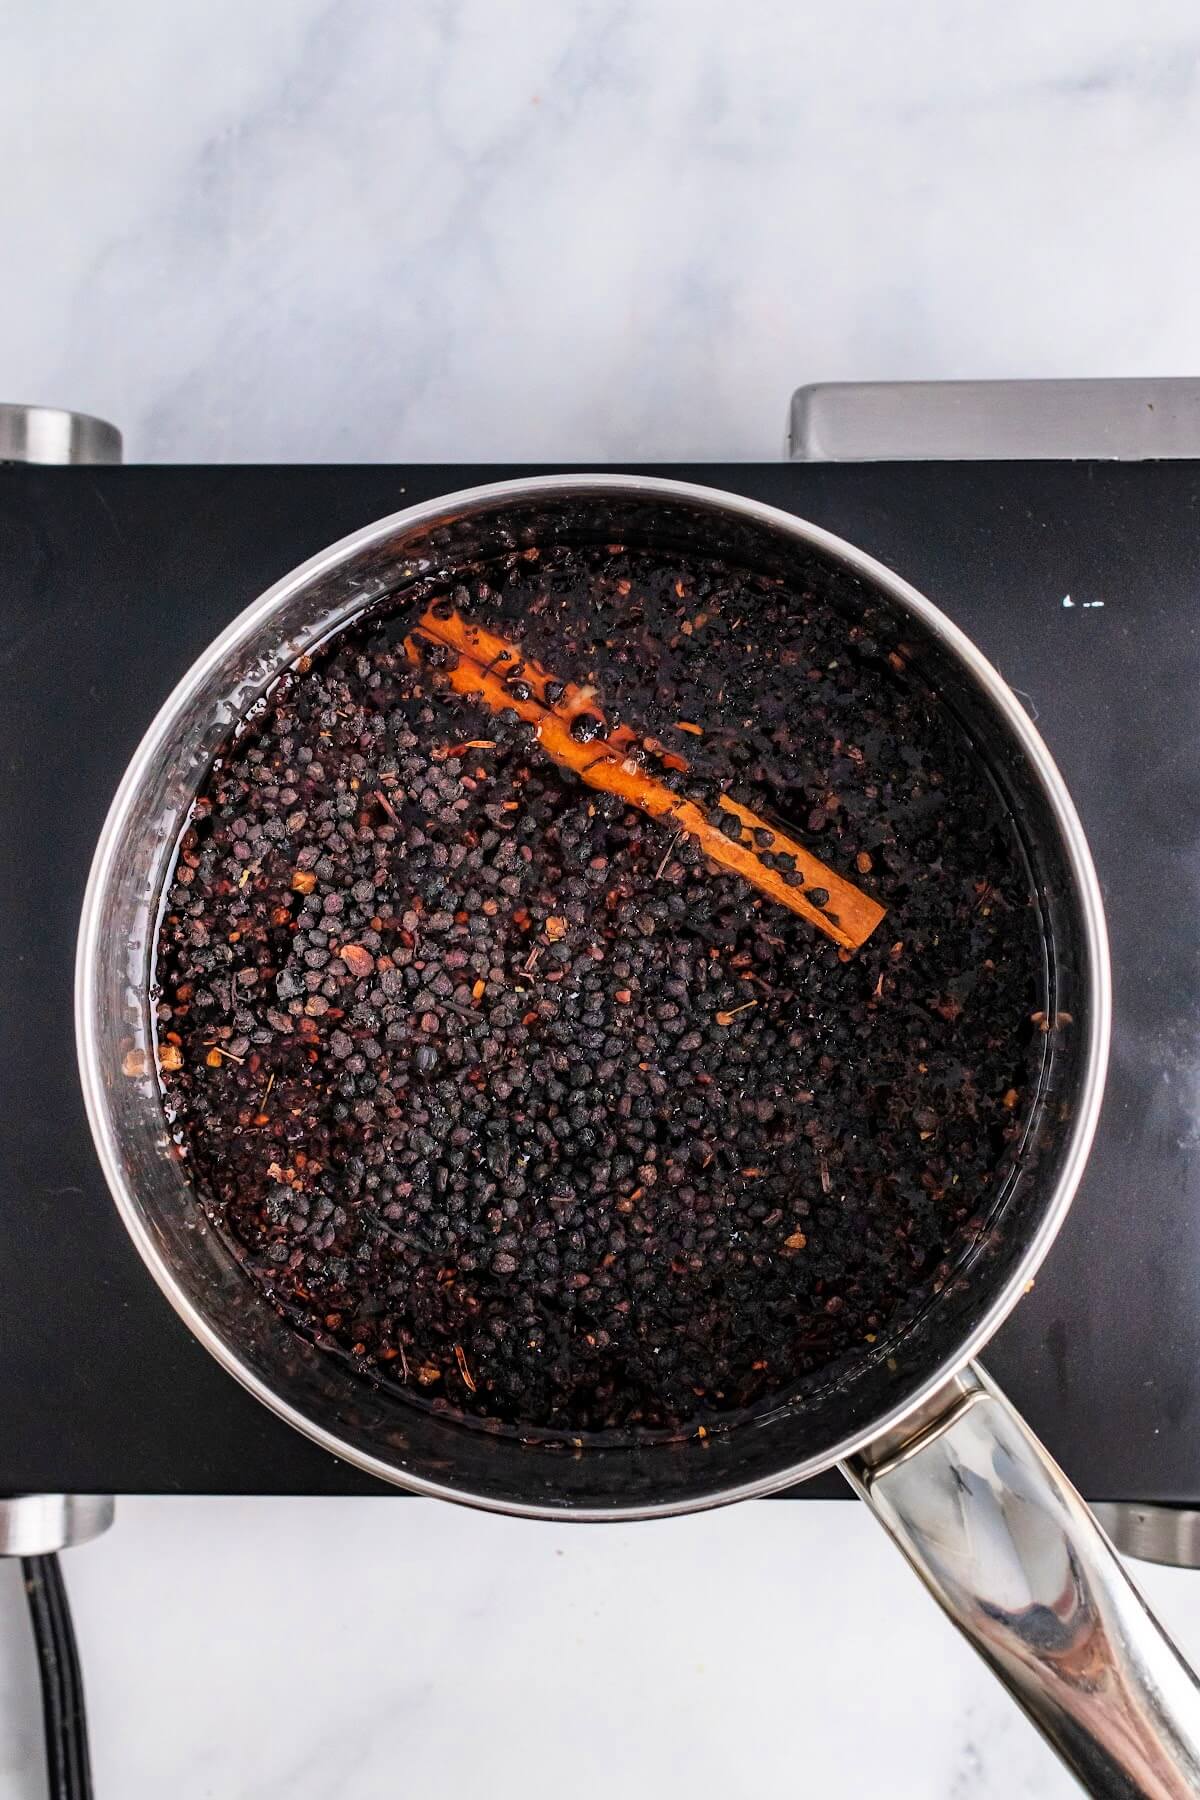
column 486, row 667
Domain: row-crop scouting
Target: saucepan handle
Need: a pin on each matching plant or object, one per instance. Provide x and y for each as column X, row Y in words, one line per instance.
column 1010, row 1551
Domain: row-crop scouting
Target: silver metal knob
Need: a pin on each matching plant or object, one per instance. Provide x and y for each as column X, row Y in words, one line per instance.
column 1160, row 1534
column 36, row 1524
column 47, row 434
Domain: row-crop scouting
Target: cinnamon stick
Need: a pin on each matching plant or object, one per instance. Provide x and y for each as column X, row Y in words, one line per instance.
column 574, row 733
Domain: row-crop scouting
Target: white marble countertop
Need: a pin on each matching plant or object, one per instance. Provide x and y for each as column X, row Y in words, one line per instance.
column 321, row 1649
column 384, row 229
column 304, row 231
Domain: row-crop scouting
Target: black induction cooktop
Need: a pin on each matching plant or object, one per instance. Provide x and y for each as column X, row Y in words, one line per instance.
column 1081, row 581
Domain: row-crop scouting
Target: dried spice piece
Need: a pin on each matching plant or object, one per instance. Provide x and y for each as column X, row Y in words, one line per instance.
column 727, row 1018
column 488, row 667
column 593, row 1134
column 359, row 961
column 460, row 1357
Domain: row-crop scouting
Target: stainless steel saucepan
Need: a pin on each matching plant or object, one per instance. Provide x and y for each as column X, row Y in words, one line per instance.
column 974, row 1502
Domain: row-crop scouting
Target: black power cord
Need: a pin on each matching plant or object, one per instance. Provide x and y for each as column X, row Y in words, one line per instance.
column 68, row 1763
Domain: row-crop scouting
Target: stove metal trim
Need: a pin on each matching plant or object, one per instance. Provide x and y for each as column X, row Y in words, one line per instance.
column 1125, row 420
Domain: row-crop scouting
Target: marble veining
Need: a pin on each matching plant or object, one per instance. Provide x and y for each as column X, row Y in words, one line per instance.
column 255, row 1649
column 396, row 229
column 308, row 230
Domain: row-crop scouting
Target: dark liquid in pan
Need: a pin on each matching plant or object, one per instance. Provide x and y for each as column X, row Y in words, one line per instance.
column 504, row 1092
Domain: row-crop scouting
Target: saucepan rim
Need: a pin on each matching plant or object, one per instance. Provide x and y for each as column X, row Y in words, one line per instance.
column 1087, row 1098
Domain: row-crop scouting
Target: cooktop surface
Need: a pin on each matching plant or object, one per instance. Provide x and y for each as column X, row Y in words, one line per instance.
column 1081, row 581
